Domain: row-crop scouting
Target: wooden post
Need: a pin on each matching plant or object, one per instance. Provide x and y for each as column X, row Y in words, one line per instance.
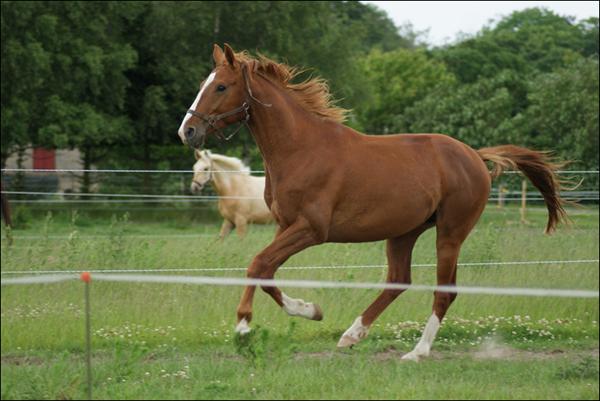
column 523, row 201
column 500, row 196
column 5, row 207
column 85, row 277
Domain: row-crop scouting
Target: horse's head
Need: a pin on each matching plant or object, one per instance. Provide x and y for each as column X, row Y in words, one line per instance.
column 221, row 101
column 202, row 170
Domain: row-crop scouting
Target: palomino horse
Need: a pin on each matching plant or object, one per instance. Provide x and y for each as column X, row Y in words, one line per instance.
column 241, row 194
column 329, row 183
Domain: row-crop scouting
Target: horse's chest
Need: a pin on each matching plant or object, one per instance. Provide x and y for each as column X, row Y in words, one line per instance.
column 228, row 209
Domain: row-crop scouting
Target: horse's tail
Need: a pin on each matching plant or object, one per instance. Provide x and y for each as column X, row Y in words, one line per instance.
column 541, row 171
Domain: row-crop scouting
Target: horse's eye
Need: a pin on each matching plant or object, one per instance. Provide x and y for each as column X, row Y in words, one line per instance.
column 221, row 88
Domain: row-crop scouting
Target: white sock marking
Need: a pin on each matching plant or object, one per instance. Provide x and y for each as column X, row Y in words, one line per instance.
column 297, row 307
column 242, row 327
column 424, row 345
column 354, row 334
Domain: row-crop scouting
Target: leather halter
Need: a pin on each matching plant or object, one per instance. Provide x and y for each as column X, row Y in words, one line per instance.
column 211, row 120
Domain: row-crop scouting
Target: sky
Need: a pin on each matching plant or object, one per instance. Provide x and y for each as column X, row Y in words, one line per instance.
column 446, row 19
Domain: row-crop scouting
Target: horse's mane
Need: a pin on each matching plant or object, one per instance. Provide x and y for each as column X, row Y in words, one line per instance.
column 230, row 163
column 312, row 94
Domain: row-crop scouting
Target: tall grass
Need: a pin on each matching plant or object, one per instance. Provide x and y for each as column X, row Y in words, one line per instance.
column 160, row 329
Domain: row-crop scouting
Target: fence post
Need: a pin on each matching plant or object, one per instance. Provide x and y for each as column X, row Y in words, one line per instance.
column 86, row 277
column 523, row 201
column 500, row 196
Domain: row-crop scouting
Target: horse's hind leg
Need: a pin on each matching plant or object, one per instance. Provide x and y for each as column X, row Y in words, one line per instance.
column 399, row 251
column 452, row 230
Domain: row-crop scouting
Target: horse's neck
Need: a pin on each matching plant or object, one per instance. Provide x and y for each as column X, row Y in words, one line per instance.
column 282, row 128
column 224, row 182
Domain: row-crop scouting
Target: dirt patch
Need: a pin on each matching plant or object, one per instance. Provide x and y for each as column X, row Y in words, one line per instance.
column 22, row 360
column 493, row 350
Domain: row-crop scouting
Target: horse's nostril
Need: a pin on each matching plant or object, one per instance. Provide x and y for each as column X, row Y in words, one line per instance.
column 190, row 132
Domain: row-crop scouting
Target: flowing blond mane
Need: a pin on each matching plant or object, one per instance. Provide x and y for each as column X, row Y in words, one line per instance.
column 312, row 94
column 229, row 163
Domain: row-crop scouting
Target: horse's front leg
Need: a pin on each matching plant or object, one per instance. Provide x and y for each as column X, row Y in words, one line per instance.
column 226, row 228
column 287, row 242
column 241, row 225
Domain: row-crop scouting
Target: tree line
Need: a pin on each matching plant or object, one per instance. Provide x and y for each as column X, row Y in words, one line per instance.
column 114, row 79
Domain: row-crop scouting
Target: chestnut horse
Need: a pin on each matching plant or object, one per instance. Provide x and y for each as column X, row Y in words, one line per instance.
column 326, row 182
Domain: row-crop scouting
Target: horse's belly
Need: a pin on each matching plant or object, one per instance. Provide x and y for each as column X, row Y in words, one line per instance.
column 376, row 229
column 378, row 220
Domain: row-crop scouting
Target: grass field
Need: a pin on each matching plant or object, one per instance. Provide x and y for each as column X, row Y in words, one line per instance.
column 157, row 341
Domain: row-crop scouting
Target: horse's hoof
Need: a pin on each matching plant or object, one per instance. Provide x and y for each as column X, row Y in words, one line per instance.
column 347, row 341
column 318, row 316
column 412, row 356
column 242, row 328
column 354, row 334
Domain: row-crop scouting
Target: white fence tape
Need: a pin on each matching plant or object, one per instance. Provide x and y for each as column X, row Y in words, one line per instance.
column 331, row 267
column 228, row 281
column 151, row 196
column 197, row 198
column 31, row 170
column 44, row 279
column 216, row 198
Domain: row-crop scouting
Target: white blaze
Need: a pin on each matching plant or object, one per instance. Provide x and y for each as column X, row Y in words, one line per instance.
column 210, row 78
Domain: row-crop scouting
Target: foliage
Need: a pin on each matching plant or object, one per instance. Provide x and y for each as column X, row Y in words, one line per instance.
column 397, row 79
column 478, row 114
column 563, row 113
column 525, row 42
column 114, row 79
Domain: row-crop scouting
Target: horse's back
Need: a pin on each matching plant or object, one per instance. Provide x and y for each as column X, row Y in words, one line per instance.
column 454, row 163
column 394, row 183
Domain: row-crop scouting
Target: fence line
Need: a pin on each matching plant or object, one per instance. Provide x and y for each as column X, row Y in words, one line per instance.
column 228, row 281
column 33, row 201
column 150, row 196
column 204, row 200
column 330, row 267
column 117, row 171
column 214, row 197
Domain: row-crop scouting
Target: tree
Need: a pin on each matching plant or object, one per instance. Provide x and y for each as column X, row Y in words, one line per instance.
column 26, row 67
column 73, row 93
column 529, row 41
column 563, row 113
column 396, row 81
column 478, row 114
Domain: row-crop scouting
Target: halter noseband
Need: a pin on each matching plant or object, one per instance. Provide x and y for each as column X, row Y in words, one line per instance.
column 210, row 173
column 211, row 120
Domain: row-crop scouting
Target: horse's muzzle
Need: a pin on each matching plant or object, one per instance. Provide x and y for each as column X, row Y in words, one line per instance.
column 194, row 137
column 196, row 187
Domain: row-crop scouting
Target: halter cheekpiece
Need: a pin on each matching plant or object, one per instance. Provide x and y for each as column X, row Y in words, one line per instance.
column 211, row 120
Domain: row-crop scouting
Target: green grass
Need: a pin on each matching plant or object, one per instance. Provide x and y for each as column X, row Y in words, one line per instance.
column 156, row 341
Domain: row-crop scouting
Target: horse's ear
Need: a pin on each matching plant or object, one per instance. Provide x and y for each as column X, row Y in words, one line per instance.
column 197, row 154
column 218, row 55
column 230, row 55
